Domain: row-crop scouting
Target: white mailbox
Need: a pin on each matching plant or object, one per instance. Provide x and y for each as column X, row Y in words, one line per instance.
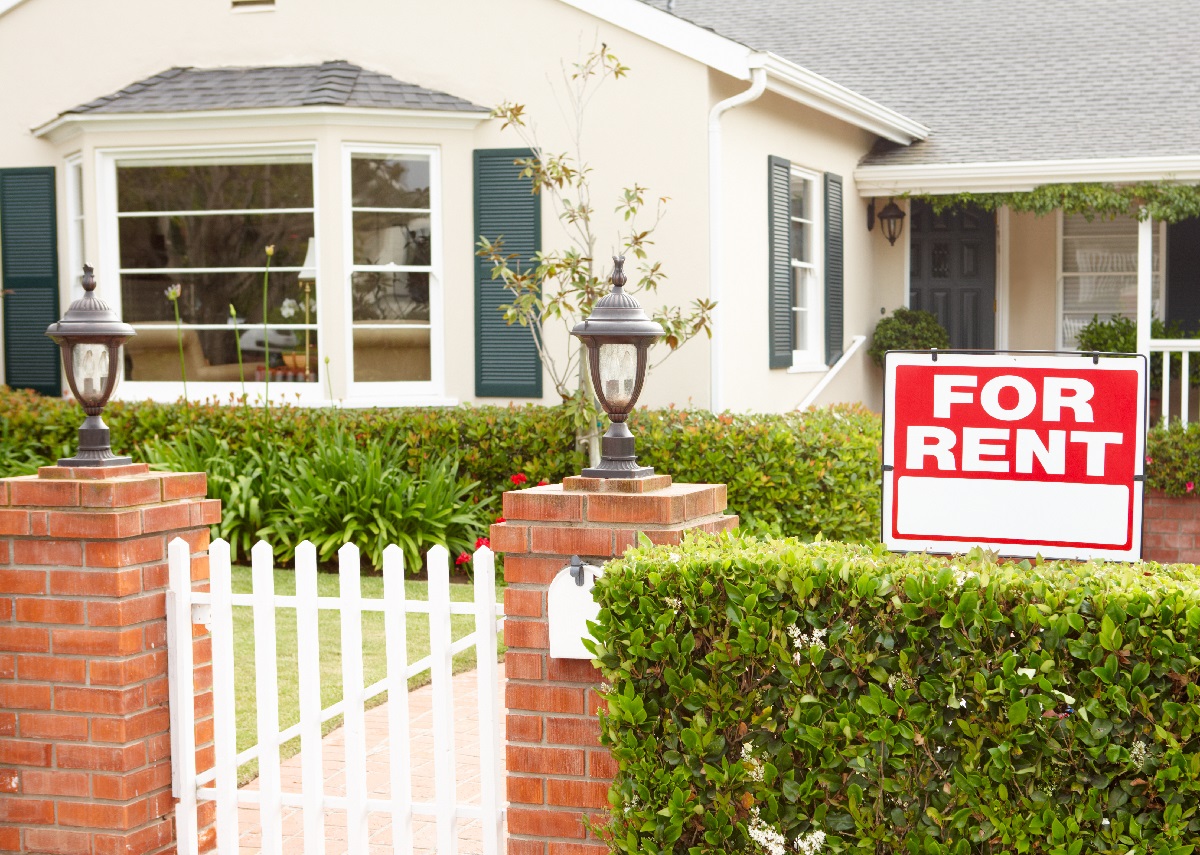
column 570, row 604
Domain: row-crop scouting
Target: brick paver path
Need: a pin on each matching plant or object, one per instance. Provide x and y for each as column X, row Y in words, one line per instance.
column 420, row 702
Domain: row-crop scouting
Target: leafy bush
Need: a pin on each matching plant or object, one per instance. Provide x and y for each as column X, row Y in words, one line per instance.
column 907, row 329
column 1173, row 459
column 773, row 693
column 1118, row 334
column 799, row 474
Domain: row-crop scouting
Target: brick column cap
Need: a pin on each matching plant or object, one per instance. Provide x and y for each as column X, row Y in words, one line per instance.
column 92, row 473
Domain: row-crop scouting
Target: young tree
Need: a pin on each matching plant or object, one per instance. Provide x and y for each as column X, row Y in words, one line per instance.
column 561, row 285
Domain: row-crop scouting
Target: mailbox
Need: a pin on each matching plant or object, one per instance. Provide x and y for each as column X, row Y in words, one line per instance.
column 570, row 606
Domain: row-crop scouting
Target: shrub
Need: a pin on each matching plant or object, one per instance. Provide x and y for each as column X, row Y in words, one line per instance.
column 898, row 703
column 800, row 474
column 907, row 329
column 1118, row 334
column 1173, row 459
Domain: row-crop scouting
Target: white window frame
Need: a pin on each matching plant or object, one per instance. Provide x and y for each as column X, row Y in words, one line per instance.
column 811, row 358
column 73, row 169
column 1160, row 278
column 411, row 392
column 107, row 272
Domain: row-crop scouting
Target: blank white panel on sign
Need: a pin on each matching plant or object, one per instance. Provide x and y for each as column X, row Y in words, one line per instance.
column 968, row 508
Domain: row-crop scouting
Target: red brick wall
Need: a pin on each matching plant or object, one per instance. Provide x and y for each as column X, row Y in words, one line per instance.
column 85, row 762
column 558, row 773
column 1171, row 528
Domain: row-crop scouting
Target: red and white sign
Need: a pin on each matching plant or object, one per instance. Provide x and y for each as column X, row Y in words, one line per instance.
column 1023, row 454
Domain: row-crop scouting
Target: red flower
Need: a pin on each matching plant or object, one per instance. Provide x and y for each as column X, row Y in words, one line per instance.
column 501, row 519
column 518, row 479
column 462, row 558
column 482, row 541
column 1189, row 486
column 543, row 483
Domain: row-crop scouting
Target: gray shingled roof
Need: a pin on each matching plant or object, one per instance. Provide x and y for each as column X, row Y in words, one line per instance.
column 337, row 83
column 995, row 80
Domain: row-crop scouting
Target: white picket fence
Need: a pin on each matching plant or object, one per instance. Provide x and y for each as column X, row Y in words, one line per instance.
column 1175, row 402
column 219, row 784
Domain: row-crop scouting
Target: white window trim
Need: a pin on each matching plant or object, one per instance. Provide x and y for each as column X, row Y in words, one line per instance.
column 811, row 359
column 410, row 393
column 303, row 394
column 75, row 226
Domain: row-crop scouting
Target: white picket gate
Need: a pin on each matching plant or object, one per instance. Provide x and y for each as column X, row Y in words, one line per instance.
column 219, row 784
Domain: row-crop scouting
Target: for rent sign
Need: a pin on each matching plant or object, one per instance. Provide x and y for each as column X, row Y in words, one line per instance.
column 1024, row 454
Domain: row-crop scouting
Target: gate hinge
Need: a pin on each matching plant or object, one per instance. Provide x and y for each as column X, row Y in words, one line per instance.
column 202, row 613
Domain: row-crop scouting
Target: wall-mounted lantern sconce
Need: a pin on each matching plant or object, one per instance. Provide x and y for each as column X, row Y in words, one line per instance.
column 891, row 220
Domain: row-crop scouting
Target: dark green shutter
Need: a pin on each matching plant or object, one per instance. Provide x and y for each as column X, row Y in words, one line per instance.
column 506, row 358
column 780, row 324
column 29, row 255
column 834, row 274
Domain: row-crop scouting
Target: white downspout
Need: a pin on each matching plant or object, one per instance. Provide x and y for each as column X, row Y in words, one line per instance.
column 758, row 83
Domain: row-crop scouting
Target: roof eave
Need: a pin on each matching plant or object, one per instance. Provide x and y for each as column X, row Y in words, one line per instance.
column 806, row 87
column 70, row 125
column 736, row 60
column 1020, row 176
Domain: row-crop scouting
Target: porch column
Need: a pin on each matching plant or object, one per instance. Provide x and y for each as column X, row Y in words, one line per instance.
column 1145, row 283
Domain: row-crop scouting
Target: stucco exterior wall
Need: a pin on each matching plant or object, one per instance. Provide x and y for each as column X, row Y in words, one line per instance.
column 1033, row 281
column 874, row 276
column 633, row 133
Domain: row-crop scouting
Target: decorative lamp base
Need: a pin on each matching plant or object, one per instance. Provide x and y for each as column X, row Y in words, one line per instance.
column 94, row 447
column 617, row 457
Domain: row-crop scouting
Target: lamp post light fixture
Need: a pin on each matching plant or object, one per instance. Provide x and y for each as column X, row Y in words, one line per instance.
column 90, row 336
column 617, row 335
column 891, row 220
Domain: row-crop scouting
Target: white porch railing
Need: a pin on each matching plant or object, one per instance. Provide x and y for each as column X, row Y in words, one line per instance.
column 1174, row 401
column 215, row 608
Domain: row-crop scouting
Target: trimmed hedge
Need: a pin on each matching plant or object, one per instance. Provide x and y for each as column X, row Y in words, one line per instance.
column 796, row 473
column 1173, row 459
column 775, row 696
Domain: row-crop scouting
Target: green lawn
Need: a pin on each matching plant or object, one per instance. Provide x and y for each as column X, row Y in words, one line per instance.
column 329, row 631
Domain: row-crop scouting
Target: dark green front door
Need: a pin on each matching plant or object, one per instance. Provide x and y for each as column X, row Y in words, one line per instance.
column 952, row 272
column 29, row 273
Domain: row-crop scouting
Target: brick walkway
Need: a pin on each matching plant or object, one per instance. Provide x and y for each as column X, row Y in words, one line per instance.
column 466, row 749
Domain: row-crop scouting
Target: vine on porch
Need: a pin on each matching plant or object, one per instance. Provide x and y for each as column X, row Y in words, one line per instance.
column 1163, row 201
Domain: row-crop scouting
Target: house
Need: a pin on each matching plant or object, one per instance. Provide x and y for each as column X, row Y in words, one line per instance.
column 172, row 146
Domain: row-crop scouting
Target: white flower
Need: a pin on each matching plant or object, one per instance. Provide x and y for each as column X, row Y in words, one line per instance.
column 961, row 576
column 289, row 307
column 174, row 291
column 809, row 844
column 1138, row 754
column 753, row 767
column 673, row 602
column 674, row 556
column 802, row 639
column 766, row 837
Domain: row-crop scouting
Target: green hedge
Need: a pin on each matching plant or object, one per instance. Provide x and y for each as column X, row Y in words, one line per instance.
column 771, row 694
column 800, row 474
column 1173, row 459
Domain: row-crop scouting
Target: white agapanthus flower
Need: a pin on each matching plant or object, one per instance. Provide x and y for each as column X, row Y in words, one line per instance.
column 288, row 307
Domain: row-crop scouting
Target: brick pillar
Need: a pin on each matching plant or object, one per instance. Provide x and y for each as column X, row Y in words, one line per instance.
column 85, row 762
column 557, row 771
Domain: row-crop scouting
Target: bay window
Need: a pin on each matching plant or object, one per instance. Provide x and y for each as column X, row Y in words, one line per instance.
column 204, row 223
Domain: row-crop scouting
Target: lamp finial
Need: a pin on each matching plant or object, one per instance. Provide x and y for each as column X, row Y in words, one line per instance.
column 89, row 281
column 618, row 275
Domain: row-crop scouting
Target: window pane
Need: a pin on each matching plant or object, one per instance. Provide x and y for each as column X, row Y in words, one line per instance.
column 800, row 304
column 800, row 198
column 214, row 187
column 389, row 182
column 800, row 240
column 391, row 239
column 390, row 296
column 221, row 240
column 205, row 298
column 211, row 355
column 391, row 355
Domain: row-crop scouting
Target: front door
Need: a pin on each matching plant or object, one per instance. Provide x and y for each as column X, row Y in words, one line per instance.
column 952, row 272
